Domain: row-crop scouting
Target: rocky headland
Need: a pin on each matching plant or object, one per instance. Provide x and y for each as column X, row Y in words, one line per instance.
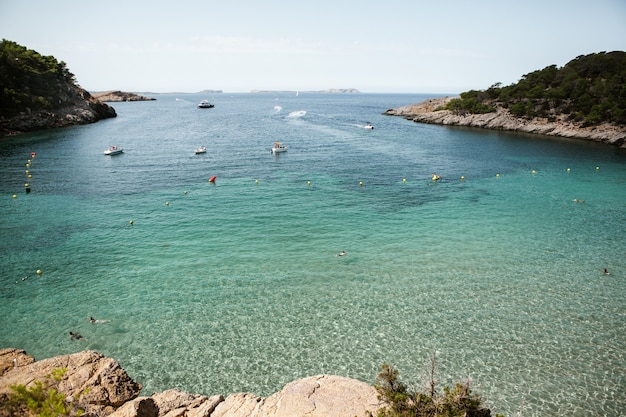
column 429, row 111
column 99, row 385
column 117, row 96
column 75, row 107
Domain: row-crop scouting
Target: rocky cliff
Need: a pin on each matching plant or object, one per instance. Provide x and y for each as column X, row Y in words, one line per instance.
column 101, row 387
column 502, row 119
column 76, row 109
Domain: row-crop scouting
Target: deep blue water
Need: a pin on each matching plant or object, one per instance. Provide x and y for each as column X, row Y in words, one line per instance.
column 236, row 286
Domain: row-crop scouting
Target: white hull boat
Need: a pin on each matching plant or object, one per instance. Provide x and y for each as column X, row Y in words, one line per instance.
column 114, row 150
column 278, row 148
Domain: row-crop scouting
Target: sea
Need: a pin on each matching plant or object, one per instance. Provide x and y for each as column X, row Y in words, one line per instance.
column 495, row 271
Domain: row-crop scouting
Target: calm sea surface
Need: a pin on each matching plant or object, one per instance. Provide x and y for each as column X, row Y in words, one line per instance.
column 236, row 285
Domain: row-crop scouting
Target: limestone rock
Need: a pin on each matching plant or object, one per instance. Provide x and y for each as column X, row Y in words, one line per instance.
column 100, row 383
column 116, row 96
column 176, row 403
column 502, row 119
column 317, row 396
column 12, row 358
column 104, row 389
column 139, row 407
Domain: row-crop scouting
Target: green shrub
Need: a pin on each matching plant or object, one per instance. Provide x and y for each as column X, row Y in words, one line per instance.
column 459, row 401
column 42, row 398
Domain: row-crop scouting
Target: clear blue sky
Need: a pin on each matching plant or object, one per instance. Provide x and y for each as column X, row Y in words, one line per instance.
column 411, row 46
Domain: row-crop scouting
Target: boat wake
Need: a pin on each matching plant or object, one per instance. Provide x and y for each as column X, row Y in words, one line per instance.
column 298, row 113
column 278, row 109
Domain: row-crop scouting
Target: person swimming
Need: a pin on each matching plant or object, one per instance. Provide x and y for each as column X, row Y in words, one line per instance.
column 606, row 272
column 92, row 321
column 342, row 253
column 75, row 336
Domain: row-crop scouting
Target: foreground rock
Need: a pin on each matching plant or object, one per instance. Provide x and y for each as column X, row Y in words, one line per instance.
column 117, row 96
column 426, row 112
column 105, row 389
column 100, row 383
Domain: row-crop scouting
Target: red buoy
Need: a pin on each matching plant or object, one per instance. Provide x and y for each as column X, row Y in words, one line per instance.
column 212, row 179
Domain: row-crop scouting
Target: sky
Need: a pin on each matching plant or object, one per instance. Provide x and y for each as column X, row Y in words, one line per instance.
column 401, row 46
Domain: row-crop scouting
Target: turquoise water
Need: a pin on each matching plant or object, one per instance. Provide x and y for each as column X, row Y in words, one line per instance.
column 236, row 286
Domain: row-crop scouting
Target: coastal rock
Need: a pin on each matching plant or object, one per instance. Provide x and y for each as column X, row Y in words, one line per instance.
column 103, row 388
column 13, row 358
column 117, row 96
column 502, row 119
column 76, row 107
column 100, row 383
column 316, row 396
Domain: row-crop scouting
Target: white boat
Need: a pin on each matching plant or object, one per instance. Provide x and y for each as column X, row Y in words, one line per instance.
column 201, row 149
column 204, row 104
column 278, row 147
column 368, row 125
column 113, row 150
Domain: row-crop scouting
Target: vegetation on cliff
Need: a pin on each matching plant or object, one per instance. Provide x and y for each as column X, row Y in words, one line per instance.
column 401, row 401
column 590, row 89
column 29, row 80
column 39, row 92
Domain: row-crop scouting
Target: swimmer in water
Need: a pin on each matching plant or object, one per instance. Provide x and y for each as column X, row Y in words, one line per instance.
column 75, row 336
column 342, row 253
column 605, row 271
column 92, row 321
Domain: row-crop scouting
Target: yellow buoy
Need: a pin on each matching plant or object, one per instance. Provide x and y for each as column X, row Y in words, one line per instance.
column 130, row 222
column 185, row 192
column 597, row 168
column 27, row 165
column 360, row 183
column 167, row 203
column 462, row 178
column 568, row 170
column 308, row 183
column 28, row 161
column 39, row 272
column 403, row 179
column 30, row 176
column 27, row 171
column 497, row 175
column 533, row 171
column 14, row 196
column 27, row 185
column 256, row 181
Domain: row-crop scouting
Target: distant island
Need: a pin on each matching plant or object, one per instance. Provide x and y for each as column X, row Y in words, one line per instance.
column 116, row 96
column 330, row 90
column 586, row 99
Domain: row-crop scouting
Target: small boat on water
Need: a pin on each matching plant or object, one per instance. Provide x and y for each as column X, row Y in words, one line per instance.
column 114, row 150
column 204, row 104
column 201, row 149
column 278, row 148
column 368, row 125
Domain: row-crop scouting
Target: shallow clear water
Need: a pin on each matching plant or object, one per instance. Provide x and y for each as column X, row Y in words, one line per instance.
column 236, row 286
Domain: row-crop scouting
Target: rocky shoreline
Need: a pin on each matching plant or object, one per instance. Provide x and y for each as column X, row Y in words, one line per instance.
column 101, row 387
column 77, row 107
column 502, row 119
column 118, row 96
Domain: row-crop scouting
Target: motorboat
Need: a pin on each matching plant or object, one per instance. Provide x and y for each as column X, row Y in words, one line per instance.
column 204, row 104
column 114, row 150
column 278, row 147
column 201, row 149
column 368, row 125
